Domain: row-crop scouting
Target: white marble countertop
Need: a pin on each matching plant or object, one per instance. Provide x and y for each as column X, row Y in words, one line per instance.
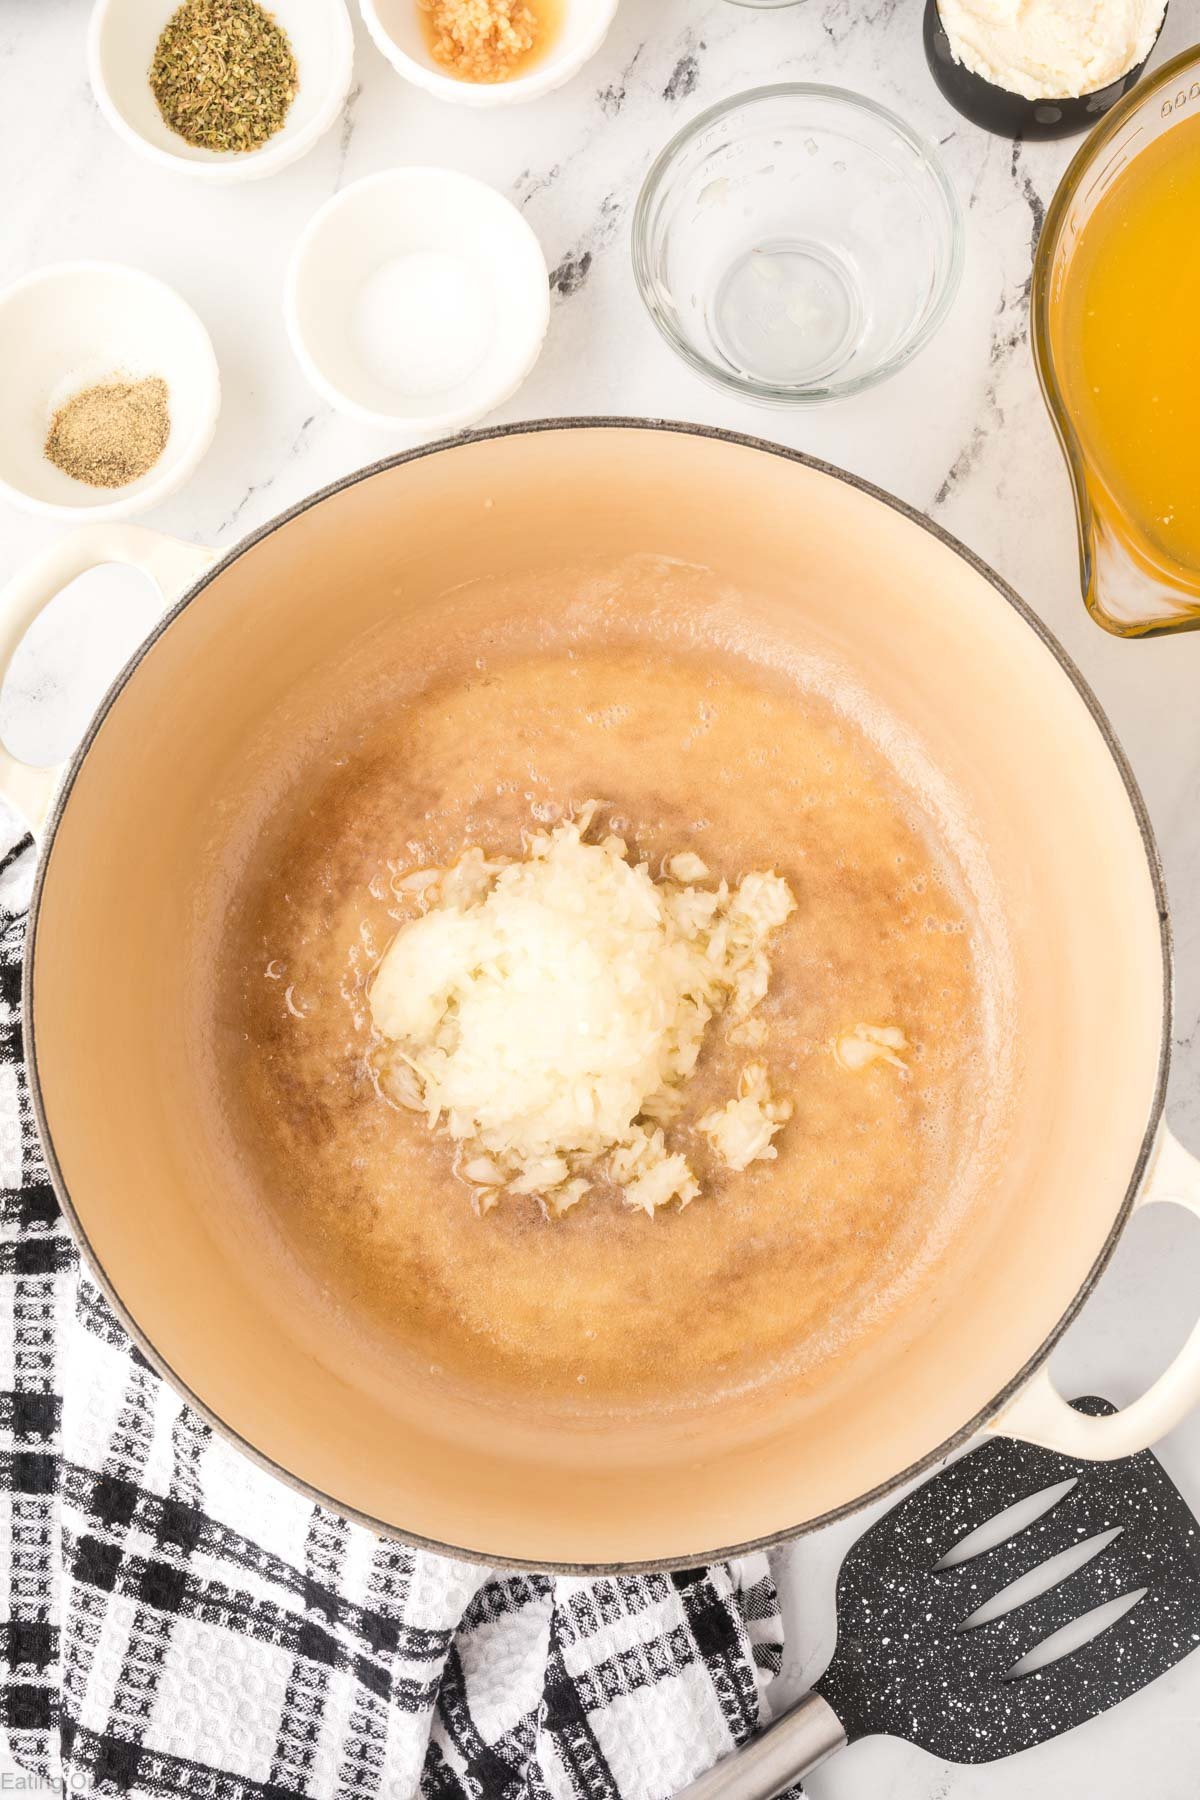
column 961, row 434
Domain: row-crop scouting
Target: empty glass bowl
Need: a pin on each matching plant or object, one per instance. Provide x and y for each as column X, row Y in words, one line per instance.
column 797, row 243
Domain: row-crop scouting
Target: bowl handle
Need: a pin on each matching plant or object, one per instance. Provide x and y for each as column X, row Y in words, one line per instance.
column 1040, row 1415
column 172, row 565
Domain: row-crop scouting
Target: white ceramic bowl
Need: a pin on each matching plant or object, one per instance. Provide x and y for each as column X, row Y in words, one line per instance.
column 121, row 43
column 416, row 213
column 69, row 326
column 396, row 28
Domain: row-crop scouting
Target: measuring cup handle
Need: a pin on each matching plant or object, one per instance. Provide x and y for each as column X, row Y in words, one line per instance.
column 172, row 565
column 1040, row 1415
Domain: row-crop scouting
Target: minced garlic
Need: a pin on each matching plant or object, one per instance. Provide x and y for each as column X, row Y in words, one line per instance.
column 741, row 1131
column 547, row 1013
column 871, row 1043
column 481, row 40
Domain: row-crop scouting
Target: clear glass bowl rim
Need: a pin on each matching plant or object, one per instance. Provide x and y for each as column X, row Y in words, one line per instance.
column 769, row 391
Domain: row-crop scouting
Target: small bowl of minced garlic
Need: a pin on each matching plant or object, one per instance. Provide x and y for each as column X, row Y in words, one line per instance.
column 224, row 90
column 488, row 52
column 111, row 391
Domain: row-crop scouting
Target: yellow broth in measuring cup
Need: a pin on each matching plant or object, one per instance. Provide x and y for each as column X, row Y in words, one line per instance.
column 1117, row 339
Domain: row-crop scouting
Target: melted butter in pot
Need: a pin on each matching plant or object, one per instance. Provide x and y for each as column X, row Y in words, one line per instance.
column 775, row 1268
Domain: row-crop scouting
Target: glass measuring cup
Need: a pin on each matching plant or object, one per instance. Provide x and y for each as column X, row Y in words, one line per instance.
column 1131, row 583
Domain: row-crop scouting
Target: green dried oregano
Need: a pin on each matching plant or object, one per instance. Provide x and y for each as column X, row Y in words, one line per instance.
column 223, row 74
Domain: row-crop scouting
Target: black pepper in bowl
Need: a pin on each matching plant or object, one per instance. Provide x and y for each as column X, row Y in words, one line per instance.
column 112, row 433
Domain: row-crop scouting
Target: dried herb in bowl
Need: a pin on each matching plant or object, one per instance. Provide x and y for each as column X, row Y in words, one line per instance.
column 223, row 74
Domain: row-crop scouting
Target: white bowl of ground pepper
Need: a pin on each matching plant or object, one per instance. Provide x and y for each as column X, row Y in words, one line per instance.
column 111, row 391
column 224, row 90
column 488, row 52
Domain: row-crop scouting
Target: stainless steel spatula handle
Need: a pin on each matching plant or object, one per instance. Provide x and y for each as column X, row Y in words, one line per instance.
column 796, row 1744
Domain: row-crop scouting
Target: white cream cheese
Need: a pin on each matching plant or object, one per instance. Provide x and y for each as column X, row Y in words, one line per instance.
column 1051, row 49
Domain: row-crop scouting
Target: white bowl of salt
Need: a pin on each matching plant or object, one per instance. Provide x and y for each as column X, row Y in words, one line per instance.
column 417, row 300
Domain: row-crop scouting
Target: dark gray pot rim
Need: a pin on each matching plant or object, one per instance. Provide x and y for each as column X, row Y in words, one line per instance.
column 690, row 1557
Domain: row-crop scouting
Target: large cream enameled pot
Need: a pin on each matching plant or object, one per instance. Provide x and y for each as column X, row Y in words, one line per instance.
column 113, row 951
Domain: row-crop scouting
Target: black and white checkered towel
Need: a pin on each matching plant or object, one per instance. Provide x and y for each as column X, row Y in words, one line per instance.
column 175, row 1622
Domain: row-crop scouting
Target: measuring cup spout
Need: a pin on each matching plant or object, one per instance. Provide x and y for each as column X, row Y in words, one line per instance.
column 1124, row 589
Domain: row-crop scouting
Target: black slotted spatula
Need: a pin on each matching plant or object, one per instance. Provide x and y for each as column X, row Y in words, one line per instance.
column 910, row 1664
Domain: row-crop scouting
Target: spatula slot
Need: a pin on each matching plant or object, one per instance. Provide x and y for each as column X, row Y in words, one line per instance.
column 1073, row 1636
column 1006, row 1524
column 1040, row 1580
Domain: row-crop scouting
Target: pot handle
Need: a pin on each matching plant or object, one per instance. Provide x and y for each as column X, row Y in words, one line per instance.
column 1040, row 1415
column 171, row 564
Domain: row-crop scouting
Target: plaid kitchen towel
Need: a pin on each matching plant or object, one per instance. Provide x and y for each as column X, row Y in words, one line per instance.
column 175, row 1622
